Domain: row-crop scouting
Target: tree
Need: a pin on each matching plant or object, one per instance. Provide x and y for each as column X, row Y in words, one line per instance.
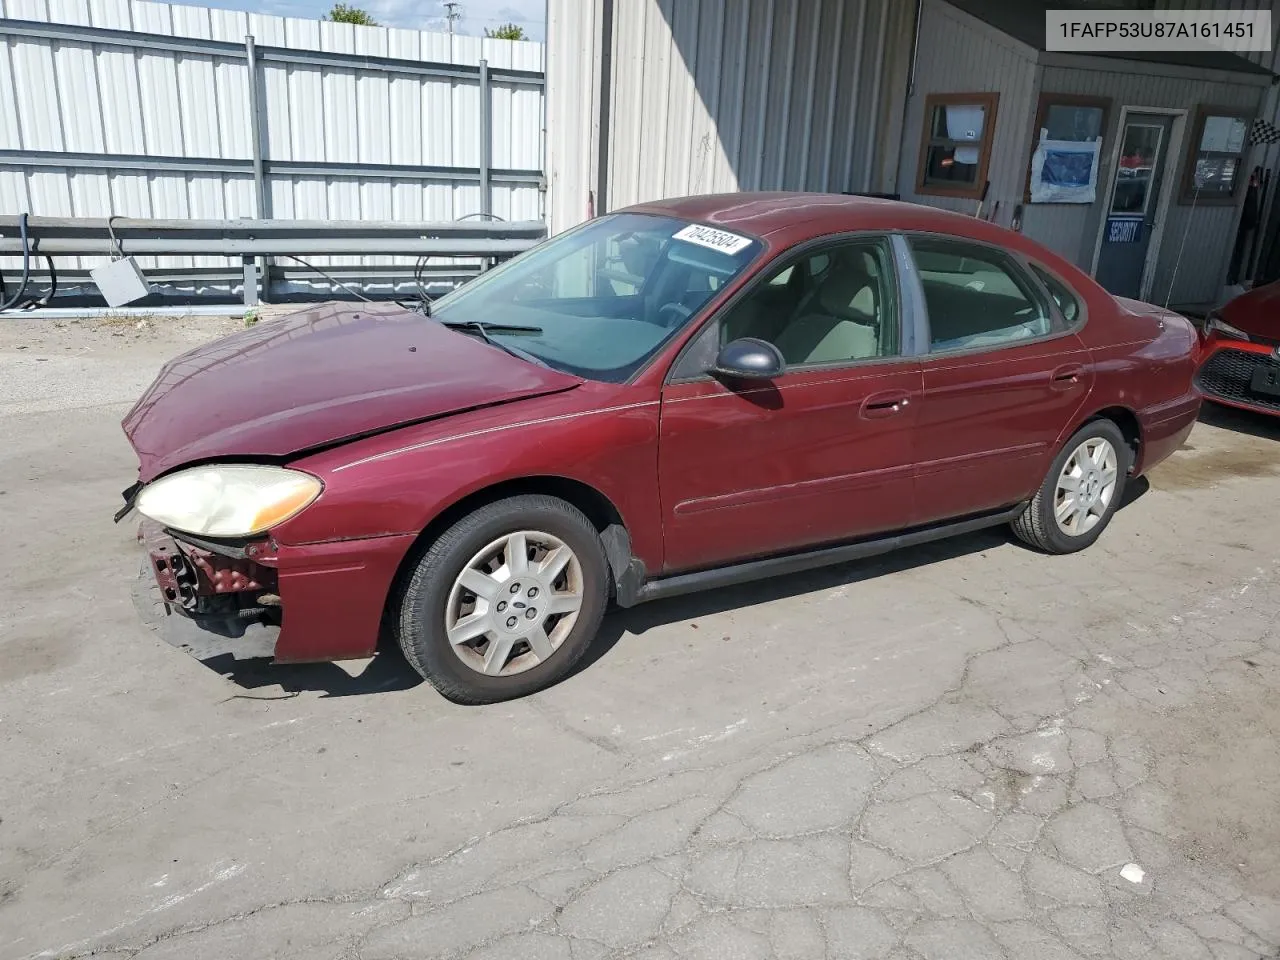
column 508, row 31
column 341, row 13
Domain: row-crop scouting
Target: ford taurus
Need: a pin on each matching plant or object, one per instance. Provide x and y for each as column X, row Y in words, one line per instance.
column 676, row 396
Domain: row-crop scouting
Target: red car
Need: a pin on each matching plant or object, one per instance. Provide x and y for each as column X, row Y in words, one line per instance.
column 1240, row 357
column 673, row 397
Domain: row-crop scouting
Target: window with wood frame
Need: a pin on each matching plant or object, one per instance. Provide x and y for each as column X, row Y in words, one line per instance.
column 1215, row 155
column 955, row 144
column 1069, row 117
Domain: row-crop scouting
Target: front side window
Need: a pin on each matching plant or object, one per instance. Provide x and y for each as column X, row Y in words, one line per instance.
column 955, row 148
column 598, row 301
column 833, row 306
column 976, row 297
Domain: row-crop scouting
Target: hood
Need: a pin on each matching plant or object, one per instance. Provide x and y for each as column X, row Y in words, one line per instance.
column 1257, row 312
column 317, row 377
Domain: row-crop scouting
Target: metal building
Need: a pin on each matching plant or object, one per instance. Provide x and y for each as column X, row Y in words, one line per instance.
column 673, row 97
column 1147, row 231
column 701, row 96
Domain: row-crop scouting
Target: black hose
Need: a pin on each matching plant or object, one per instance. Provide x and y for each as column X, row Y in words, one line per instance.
column 336, row 283
column 53, row 286
column 417, row 279
column 26, row 266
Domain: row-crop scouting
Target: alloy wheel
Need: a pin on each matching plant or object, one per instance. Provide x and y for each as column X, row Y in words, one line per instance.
column 514, row 603
column 1086, row 486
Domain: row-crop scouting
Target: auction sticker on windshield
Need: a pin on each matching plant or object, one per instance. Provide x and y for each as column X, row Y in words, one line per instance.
column 720, row 240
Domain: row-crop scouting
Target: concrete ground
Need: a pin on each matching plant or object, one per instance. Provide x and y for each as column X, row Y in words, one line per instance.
column 967, row 751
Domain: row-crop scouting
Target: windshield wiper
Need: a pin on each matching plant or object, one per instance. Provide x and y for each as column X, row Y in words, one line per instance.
column 484, row 329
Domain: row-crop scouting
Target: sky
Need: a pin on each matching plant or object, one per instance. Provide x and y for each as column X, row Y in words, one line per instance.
column 477, row 15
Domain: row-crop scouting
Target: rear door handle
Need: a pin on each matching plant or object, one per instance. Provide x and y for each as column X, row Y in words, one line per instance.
column 886, row 404
column 1066, row 377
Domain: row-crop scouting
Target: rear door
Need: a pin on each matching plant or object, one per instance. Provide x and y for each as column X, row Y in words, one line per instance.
column 1004, row 375
column 821, row 453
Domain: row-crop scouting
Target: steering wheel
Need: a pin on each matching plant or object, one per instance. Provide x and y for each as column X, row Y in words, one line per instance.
column 673, row 314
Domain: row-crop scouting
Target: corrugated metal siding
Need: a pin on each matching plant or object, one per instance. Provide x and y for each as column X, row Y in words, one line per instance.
column 573, row 87
column 959, row 54
column 769, row 95
column 708, row 96
column 1209, row 231
column 71, row 96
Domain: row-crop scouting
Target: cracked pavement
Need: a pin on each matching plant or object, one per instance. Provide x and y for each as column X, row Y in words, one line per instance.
column 965, row 751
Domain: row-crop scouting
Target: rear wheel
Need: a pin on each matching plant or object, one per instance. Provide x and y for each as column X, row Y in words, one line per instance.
column 1081, row 492
column 506, row 601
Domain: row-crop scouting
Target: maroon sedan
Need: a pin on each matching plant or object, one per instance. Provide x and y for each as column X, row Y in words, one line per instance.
column 1240, row 359
column 673, row 397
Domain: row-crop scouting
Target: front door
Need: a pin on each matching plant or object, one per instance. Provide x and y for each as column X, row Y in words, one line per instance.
column 1131, row 207
column 821, row 453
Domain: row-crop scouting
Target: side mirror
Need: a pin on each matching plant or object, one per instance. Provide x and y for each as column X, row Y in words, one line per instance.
column 749, row 359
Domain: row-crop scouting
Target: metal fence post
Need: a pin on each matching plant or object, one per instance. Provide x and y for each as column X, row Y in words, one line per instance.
column 255, row 128
column 250, row 264
column 486, row 138
column 262, row 200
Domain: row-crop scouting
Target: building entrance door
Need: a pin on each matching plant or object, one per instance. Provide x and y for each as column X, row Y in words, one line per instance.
column 1131, row 207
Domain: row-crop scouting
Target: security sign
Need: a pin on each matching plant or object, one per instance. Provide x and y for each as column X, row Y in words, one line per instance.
column 1124, row 230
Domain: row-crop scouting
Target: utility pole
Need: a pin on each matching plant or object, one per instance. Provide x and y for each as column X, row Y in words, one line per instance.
column 452, row 15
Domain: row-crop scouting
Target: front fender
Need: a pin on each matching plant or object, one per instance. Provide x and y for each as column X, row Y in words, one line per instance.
column 603, row 436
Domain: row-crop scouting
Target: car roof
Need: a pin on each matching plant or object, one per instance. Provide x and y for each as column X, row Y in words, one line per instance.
column 785, row 219
column 767, row 214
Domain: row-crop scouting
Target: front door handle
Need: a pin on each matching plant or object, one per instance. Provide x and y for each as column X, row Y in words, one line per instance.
column 1066, row 377
column 886, row 404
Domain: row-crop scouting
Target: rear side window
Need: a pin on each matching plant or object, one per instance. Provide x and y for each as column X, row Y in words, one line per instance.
column 1068, row 303
column 976, row 296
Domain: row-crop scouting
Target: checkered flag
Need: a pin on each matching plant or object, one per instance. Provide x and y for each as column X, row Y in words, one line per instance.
column 1263, row 132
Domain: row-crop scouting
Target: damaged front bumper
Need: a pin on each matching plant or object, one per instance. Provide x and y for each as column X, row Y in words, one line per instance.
column 297, row 604
column 206, row 603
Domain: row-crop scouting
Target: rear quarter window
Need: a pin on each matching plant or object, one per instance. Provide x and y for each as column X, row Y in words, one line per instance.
column 1066, row 299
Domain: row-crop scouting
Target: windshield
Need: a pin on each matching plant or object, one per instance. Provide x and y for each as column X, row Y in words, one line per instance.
column 604, row 297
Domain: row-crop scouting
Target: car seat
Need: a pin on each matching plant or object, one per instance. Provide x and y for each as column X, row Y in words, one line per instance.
column 839, row 322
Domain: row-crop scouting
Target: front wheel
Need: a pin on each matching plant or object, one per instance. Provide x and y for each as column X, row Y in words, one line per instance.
column 506, row 601
column 1081, row 492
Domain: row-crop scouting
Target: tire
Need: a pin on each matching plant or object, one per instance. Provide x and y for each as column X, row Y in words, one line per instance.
column 436, row 600
column 1039, row 526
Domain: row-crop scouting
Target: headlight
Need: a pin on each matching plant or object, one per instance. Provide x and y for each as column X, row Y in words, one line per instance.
column 228, row 500
column 1215, row 323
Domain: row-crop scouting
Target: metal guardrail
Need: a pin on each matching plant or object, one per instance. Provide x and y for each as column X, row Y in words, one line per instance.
column 486, row 241
column 77, row 236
